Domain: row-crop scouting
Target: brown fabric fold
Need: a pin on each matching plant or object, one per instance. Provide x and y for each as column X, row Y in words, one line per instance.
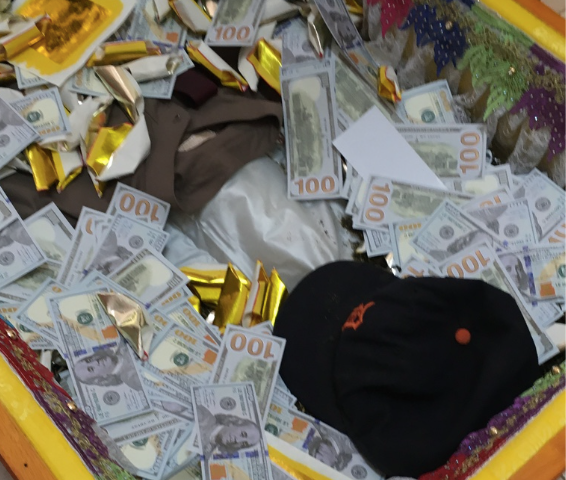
column 246, row 128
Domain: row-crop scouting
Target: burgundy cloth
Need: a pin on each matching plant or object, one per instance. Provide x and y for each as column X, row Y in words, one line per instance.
column 246, row 128
column 195, row 87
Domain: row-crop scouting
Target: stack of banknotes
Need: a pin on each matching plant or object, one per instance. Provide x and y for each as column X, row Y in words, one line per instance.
column 197, row 405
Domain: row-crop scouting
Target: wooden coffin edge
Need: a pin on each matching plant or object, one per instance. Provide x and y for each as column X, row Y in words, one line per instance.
column 528, row 23
column 31, row 445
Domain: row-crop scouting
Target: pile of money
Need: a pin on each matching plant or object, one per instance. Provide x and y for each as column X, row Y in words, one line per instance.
column 199, row 401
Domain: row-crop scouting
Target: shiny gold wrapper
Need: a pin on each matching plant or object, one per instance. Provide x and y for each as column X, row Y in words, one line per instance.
column 106, row 143
column 130, row 319
column 62, row 178
column 207, row 284
column 388, row 86
column 233, row 299
column 71, row 24
column 254, row 307
column 114, row 53
column 99, row 120
column 275, row 296
column 43, row 171
column 267, row 63
column 318, row 33
column 195, row 302
column 29, row 37
column 123, row 88
column 227, row 78
column 355, row 7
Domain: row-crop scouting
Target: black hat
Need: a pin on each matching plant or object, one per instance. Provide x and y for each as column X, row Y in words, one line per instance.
column 405, row 367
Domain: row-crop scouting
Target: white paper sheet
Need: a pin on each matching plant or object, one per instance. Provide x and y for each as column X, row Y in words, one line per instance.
column 374, row 147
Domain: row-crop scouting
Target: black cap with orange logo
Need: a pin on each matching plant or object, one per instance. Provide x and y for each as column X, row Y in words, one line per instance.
column 405, row 367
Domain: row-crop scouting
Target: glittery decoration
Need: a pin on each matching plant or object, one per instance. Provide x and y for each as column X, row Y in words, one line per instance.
column 478, row 447
column 544, row 107
column 74, row 424
column 504, row 88
column 393, row 12
column 448, row 38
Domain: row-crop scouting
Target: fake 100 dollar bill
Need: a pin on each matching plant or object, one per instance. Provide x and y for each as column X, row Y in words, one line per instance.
column 230, row 432
column 429, row 103
column 449, row 150
column 314, row 167
column 140, row 205
column 247, row 355
column 320, row 441
column 481, row 262
column 235, row 23
column 389, row 201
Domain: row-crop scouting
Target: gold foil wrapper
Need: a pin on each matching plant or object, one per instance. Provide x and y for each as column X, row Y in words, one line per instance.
column 207, row 284
column 266, row 61
column 43, row 170
column 274, row 297
column 114, row 53
column 318, row 33
column 63, row 179
column 131, row 320
column 388, row 86
column 233, row 299
column 215, row 65
column 106, row 143
column 12, row 45
column 355, row 7
column 71, row 24
column 195, row 302
column 254, row 307
column 123, row 88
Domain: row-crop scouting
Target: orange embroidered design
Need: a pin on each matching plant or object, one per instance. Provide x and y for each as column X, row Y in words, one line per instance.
column 356, row 318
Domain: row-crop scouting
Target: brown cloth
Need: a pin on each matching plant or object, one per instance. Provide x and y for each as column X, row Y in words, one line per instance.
column 246, row 128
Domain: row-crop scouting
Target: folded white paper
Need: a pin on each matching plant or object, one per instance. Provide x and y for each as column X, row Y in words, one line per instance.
column 374, row 147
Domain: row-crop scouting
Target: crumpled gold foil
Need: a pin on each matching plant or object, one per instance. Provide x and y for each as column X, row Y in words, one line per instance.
column 131, row 320
column 201, row 53
column 318, row 33
column 195, row 302
column 388, row 86
column 355, row 7
column 63, row 178
column 207, row 284
column 114, row 53
column 12, row 45
column 72, row 23
column 266, row 61
column 274, row 297
column 43, row 171
column 233, row 298
column 104, row 146
column 123, row 88
column 254, row 306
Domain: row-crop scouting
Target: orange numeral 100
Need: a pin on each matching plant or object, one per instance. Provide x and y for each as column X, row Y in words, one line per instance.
column 469, row 139
column 312, row 185
column 254, row 347
column 228, row 33
column 496, row 199
column 470, row 264
column 560, row 232
column 141, row 209
column 377, row 199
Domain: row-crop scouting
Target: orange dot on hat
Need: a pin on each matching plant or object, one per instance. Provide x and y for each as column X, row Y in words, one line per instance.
column 463, row 336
